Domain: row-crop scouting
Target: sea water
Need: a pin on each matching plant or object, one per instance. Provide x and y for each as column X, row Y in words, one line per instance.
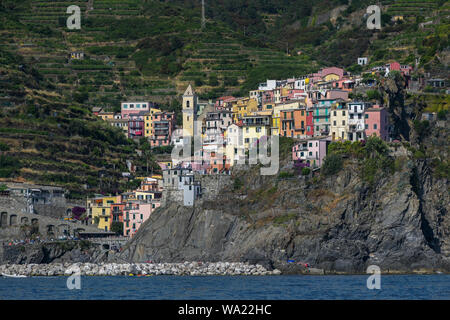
column 328, row 287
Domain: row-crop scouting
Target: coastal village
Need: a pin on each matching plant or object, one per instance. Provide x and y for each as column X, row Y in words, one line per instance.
column 314, row 110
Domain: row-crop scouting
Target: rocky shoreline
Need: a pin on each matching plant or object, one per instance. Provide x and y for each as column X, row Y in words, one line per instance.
column 144, row 269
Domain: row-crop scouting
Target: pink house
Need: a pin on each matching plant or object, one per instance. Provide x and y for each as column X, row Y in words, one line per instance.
column 311, row 151
column 377, row 122
column 135, row 214
column 321, row 74
column 128, row 108
column 163, row 124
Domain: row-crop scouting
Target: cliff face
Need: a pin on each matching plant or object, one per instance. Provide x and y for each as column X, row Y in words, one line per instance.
column 339, row 223
column 57, row 252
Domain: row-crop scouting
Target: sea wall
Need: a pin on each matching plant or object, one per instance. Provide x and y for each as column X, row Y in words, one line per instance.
column 125, row 269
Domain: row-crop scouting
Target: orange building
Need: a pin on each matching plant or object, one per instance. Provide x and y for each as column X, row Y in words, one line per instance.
column 293, row 123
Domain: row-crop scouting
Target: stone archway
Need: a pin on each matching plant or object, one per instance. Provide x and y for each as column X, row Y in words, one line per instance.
column 35, row 221
column 24, row 221
column 4, row 219
column 13, row 220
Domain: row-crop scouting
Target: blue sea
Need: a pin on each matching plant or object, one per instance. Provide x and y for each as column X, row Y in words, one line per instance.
column 330, row 287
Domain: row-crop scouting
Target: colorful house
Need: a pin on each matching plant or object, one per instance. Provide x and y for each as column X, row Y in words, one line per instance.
column 128, row 108
column 136, row 213
column 254, row 128
column 243, row 107
column 279, row 108
column 309, row 122
column 356, row 124
column 376, row 122
column 99, row 210
column 293, row 123
column 311, row 151
column 339, row 122
column 136, row 125
column 163, row 124
column 148, row 122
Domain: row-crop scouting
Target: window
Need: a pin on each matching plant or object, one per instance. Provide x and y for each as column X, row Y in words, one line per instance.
column 247, row 140
column 334, row 123
column 343, row 112
column 367, row 126
column 375, row 127
column 335, row 113
column 367, row 116
column 142, row 217
column 187, row 104
column 258, row 129
column 343, row 122
column 310, row 144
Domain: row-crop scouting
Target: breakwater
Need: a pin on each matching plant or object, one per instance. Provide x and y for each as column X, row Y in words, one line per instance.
column 122, row 269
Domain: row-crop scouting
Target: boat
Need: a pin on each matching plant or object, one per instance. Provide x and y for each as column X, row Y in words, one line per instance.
column 13, row 275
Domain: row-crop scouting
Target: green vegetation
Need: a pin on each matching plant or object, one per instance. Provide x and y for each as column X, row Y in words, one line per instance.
column 332, row 164
column 117, row 227
column 285, row 175
column 372, row 157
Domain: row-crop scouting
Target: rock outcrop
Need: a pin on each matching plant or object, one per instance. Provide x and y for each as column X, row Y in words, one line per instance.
column 338, row 224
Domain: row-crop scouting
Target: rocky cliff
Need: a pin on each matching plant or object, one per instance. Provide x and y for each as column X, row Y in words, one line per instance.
column 56, row 252
column 338, row 223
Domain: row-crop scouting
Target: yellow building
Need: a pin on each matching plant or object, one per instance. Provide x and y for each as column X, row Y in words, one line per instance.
column 99, row 210
column 255, row 127
column 148, row 123
column 339, row 123
column 242, row 107
column 106, row 115
column 279, row 107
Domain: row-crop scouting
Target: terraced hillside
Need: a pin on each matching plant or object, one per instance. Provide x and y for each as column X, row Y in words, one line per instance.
column 135, row 49
column 44, row 138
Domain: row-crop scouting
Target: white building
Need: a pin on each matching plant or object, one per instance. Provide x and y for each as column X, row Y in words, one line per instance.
column 356, row 124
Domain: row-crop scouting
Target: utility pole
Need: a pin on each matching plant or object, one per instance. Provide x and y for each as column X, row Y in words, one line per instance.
column 203, row 15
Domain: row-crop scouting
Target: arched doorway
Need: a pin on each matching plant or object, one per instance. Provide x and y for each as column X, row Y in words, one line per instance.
column 24, row 221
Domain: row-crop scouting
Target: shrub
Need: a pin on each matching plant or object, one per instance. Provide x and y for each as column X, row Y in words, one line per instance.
column 333, row 164
column 306, row 171
column 285, row 175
